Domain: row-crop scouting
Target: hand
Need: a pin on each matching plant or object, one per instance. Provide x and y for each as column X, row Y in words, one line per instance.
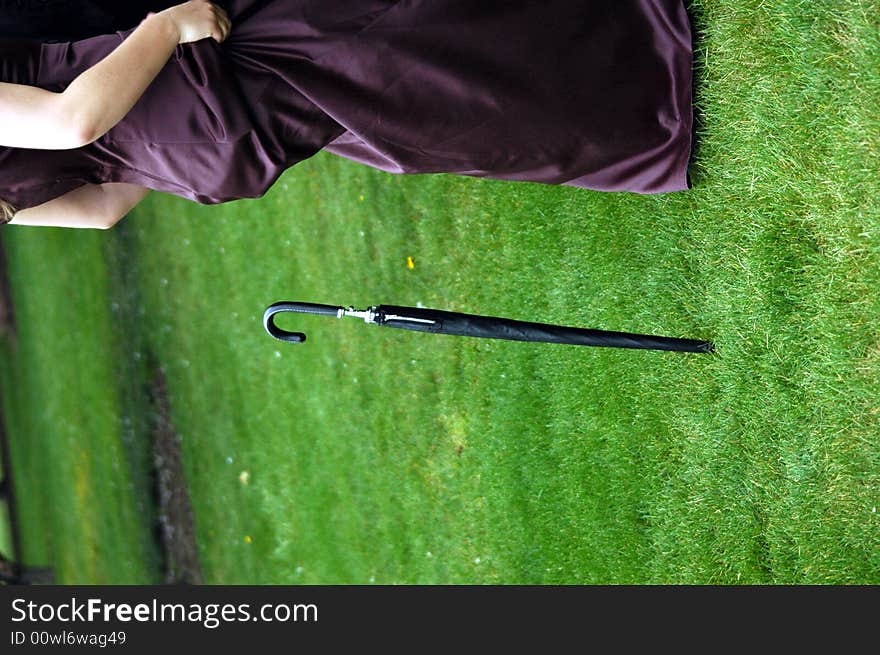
column 198, row 19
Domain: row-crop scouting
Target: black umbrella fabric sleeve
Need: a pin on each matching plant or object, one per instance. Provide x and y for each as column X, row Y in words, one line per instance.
column 299, row 308
column 488, row 327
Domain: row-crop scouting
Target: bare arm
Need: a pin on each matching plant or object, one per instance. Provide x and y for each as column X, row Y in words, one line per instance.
column 98, row 206
column 101, row 96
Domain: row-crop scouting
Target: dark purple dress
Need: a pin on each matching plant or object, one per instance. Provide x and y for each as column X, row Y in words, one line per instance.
column 595, row 94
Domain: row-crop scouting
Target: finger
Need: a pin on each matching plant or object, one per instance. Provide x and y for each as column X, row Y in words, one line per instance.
column 219, row 13
column 218, row 31
column 223, row 22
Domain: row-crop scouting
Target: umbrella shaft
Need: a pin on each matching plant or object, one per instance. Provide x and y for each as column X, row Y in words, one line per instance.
column 488, row 327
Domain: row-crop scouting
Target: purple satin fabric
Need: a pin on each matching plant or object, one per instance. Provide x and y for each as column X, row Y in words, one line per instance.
column 591, row 94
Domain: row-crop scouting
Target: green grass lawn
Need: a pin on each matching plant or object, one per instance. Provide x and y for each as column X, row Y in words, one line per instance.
column 393, row 457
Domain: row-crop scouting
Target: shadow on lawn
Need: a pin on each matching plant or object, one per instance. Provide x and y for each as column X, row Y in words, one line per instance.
column 174, row 531
column 698, row 26
column 176, row 528
column 151, row 440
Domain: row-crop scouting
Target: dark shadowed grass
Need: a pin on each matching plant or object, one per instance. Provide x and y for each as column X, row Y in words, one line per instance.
column 382, row 456
column 80, row 465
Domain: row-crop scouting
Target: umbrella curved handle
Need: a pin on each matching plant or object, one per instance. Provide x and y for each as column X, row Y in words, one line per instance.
column 299, row 308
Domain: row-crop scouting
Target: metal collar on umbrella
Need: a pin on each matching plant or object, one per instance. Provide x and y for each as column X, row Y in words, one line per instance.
column 438, row 321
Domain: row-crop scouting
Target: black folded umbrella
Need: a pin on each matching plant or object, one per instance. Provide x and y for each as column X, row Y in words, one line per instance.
column 469, row 325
